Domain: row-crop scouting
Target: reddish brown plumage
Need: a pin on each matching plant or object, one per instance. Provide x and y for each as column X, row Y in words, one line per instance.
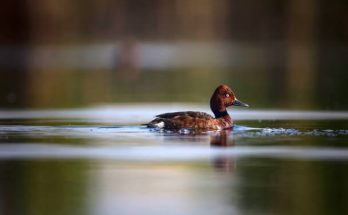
column 222, row 97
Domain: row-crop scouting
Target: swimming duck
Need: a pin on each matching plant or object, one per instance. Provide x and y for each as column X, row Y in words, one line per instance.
column 222, row 98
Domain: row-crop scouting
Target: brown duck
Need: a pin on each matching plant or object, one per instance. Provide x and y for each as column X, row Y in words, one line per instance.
column 222, row 98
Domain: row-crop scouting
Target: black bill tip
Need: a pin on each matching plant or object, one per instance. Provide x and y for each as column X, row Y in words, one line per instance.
column 239, row 103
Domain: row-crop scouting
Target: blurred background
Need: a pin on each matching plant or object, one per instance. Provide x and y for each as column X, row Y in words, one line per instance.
column 290, row 54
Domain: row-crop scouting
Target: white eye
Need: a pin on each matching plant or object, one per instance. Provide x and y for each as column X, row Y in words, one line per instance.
column 227, row 95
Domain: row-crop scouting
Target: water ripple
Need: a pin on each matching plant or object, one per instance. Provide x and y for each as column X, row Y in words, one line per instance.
column 165, row 153
column 238, row 130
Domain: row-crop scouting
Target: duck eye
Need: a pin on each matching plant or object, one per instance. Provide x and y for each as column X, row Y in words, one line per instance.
column 227, row 95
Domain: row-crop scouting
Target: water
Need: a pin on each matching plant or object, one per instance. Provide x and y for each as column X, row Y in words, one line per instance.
column 101, row 161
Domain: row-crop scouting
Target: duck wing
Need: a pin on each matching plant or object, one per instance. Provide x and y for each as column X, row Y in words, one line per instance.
column 177, row 120
column 189, row 114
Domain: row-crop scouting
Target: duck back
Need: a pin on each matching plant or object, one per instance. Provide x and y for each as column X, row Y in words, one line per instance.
column 177, row 120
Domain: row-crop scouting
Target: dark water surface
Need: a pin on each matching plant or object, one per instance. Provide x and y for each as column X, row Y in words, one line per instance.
column 100, row 161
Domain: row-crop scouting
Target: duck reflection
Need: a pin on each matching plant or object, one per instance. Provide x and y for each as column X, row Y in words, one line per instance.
column 224, row 138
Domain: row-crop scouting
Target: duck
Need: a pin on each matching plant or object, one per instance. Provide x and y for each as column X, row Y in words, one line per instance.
column 222, row 98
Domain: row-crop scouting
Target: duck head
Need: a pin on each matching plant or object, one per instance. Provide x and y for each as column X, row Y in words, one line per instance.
column 222, row 98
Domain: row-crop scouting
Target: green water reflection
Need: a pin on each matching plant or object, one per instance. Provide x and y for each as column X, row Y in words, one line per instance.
column 158, row 173
column 252, row 186
column 43, row 187
column 292, row 187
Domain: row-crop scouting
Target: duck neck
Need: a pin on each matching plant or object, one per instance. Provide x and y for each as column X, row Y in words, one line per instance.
column 217, row 107
column 219, row 114
column 223, row 118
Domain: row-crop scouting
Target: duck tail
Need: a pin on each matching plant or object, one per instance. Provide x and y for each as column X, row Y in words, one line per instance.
column 156, row 123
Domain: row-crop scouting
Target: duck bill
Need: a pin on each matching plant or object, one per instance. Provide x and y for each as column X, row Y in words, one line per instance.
column 239, row 103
